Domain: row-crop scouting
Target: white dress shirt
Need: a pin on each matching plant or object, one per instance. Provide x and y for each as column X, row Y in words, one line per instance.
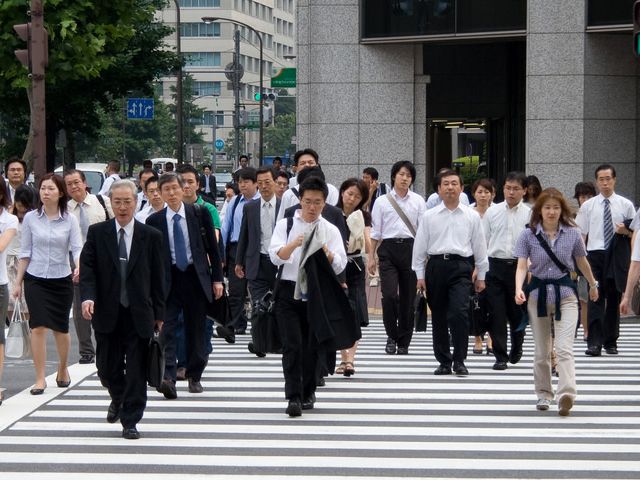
column 590, row 218
column 434, row 200
column 47, row 243
column 503, row 226
column 289, row 199
column 635, row 224
column 385, row 221
column 140, row 198
column 92, row 209
column 7, row 222
column 457, row 232
column 106, row 186
column 185, row 232
column 146, row 212
column 291, row 266
column 265, row 240
column 128, row 235
column 635, row 253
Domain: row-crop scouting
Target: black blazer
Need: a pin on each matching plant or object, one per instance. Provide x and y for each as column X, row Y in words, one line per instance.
column 207, row 263
column 248, row 251
column 212, row 184
column 330, row 213
column 100, row 277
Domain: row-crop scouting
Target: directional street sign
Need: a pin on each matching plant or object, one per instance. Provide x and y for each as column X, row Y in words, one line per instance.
column 285, row 78
column 140, row 108
column 219, row 144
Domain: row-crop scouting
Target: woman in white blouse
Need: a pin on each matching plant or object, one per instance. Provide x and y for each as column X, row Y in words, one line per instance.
column 48, row 235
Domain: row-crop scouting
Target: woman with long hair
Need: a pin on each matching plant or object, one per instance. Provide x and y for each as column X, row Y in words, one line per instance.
column 8, row 228
column 353, row 194
column 483, row 191
column 551, row 244
column 48, row 235
column 533, row 190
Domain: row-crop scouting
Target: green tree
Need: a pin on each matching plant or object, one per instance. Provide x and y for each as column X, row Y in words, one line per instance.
column 277, row 138
column 98, row 51
column 192, row 114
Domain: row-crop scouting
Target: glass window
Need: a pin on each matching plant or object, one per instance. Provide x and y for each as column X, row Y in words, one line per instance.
column 201, row 89
column 199, row 3
column 491, row 15
column 207, row 118
column 200, row 29
column 202, row 59
column 605, row 12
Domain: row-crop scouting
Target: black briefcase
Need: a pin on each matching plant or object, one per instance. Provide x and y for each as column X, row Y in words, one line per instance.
column 155, row 361
column 264, row 326
column 420, row 313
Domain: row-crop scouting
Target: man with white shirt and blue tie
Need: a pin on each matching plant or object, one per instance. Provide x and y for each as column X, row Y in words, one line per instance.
column 88, row 209
column 231, row 227
column 602, row 221
column 193, row 277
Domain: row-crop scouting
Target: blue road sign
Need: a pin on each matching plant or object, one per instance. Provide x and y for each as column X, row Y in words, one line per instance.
column 219, row 144
column 140, row 108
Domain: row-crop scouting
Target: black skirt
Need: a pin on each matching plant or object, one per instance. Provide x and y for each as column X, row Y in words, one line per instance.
column 49, row 301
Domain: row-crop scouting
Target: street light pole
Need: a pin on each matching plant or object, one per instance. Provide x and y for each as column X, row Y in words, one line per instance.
column 261, row 73
column 179, row 134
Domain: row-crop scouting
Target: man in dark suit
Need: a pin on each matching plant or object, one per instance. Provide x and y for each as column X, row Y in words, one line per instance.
column 193, row 277
column 208, row 185
column 120, row 260
column 252, row 254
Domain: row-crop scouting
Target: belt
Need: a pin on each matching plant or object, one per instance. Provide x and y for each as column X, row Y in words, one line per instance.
column 265, row 255
column 398, row 240
column 504, row 261
column 450, row 256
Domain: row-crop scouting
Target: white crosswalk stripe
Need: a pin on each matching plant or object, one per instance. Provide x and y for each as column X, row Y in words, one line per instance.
column 394, row 418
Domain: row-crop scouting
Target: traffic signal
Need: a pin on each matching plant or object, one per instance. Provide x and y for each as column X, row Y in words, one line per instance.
column 266, row 97
column 36, row 56
column 636, row 28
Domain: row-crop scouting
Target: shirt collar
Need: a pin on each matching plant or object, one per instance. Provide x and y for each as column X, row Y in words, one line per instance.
column 298, row 214
column 128, row 228
column 602, row 197
column 561, row 228
column 272, row 201
column 41, row 213
column 181, row 212
column 442, row 207
column 398, row 197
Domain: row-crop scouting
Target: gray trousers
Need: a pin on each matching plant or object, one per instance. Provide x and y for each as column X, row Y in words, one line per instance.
column 83, row 327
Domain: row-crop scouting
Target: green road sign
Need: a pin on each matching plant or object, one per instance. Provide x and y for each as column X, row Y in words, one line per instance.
column 285, row 78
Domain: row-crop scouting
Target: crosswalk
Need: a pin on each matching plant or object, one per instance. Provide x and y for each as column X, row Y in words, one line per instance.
column 393, row 419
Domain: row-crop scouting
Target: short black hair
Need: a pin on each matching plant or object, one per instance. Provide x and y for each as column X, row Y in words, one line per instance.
column 277, row 159
column 606, row 166
column 15, row 159
column 247, row 173
column 372, row 172
column 314, row 183
column 306, row 151
column 169, row 177
column 282, row 174
column 114, row 165
column 206, row 165
column 311, row 172
column 406, row 164
column 150, row 180
column 73, row 171
column 447, row 172
column 168, row 167
column 186, row 168
column 232, row 186
column 519, row 177
column 243, row 156
column 267, row 169
column 147, row 164
column 584, row 188
column 146, row 170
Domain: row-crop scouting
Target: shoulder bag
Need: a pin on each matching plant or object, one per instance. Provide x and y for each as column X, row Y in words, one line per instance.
column 402, row 215
column 18, row 341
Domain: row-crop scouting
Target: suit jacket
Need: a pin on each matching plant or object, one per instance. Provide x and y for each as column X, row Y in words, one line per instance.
column 205, row 261
column 212, row 184
column 100, row 277
column 248, row 251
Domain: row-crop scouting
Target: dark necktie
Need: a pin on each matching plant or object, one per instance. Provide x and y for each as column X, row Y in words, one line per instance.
column 179, row 245
column 608, row 224
column 122, row 254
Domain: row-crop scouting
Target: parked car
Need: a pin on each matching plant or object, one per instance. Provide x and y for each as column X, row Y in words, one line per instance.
column 222, row 178
column 94, row 172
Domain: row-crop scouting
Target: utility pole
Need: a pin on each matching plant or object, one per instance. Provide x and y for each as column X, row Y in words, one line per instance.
column 236, row 90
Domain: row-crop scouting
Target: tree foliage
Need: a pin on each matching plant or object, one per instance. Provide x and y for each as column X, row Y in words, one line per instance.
column 277, row 138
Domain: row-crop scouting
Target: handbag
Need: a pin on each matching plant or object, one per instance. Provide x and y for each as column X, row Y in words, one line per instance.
column 18, row 341
column 155, row 361
column 478, row 314
column 420, row 312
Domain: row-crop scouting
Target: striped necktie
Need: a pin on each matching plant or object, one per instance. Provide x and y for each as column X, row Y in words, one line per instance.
column 608, row 224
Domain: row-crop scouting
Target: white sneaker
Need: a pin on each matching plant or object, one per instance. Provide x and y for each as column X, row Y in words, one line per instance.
column 543, row 404
column 564, row 405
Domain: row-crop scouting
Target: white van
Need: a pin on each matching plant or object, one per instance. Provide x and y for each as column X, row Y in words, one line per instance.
column 94, row 172
column 158, row 163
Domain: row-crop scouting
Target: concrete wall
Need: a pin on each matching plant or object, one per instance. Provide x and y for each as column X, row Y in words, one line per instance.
column 358, row 105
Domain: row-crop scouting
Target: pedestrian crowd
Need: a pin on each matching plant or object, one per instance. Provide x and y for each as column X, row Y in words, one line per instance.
column 158, row 259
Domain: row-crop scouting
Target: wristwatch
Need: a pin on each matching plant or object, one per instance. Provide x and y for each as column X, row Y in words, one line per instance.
column 596, row 284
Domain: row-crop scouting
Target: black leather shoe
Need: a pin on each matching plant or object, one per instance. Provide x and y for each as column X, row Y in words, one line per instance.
column 130, row 433
column 500, row 366
column 515, row 355
column 442, row 370
column 85, row 359
column 194, row 386
column 168, row 389
column 611, row 350
column 309, row 402
column 391, row 346
column 63, row 383
column 252, row 349
column 294, row 409
column 459, row 369
column 403, row 351
column 113, row 414
column 593, row 352
column 226, row 333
